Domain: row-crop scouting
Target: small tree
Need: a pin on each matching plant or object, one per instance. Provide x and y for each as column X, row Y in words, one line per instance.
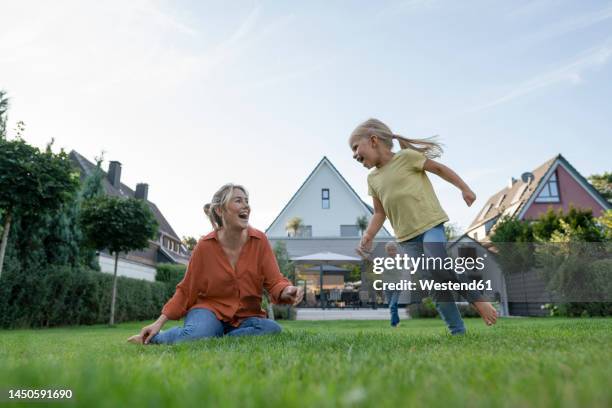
column 285, row 264
column 32, row 183
column 451, row 231
column 603, row 184
column 4, row 105
column 606, row 224
column 190, row 242
column 362, row 224
column 293, row 226
column 117, row 225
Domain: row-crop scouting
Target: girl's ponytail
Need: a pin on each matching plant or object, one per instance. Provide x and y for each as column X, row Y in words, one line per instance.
column 429, row 146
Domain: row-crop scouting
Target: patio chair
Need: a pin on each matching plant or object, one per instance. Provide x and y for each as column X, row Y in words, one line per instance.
column 335, row 296
column 364, row 298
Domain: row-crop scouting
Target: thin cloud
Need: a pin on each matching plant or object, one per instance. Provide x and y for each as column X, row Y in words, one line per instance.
column 401, row 7
column 569, row 25
column 570, row 73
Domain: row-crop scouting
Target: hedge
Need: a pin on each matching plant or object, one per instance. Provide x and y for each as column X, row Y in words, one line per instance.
column 427, row 309
column 58, row 296
column 170, row 273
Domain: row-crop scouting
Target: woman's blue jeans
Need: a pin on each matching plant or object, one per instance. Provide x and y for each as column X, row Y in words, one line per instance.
column 432, row 244
column 202, row 323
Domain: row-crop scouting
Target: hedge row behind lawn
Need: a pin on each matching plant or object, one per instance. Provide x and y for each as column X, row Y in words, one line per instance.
column 58, row 296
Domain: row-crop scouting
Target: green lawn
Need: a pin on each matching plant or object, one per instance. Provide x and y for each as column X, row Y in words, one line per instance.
column 518, row 363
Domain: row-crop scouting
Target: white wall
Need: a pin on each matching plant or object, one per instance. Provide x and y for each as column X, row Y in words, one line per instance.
column 126, row 268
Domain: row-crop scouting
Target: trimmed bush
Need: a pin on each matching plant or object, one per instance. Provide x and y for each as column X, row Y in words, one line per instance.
column 170, row 273
column 427, row 309
column 284, row 312
column 60, row 296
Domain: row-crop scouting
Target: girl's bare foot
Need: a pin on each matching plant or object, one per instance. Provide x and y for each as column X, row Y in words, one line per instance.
column 487, row 312
column 136, row 339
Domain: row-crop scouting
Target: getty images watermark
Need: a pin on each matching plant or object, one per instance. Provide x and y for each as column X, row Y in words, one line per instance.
column 401, row 264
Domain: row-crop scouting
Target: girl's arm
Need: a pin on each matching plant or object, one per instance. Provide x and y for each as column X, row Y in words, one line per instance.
column 449, row 175
column 376, row 223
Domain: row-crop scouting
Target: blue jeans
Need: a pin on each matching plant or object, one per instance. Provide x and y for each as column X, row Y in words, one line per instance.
column 393, row 299
column 432, row 243
column 202, row 323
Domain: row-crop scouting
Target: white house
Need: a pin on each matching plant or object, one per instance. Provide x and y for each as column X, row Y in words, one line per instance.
column 327, row 205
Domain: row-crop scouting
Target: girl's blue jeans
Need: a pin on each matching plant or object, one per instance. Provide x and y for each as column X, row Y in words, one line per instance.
column 432, row 244
column 202, row 323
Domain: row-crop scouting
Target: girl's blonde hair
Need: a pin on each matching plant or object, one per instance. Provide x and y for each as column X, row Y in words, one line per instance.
column 429, row 146
column 220, row 200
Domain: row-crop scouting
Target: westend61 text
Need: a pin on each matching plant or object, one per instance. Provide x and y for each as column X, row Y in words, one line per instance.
column 409, row 263
column 429, row 285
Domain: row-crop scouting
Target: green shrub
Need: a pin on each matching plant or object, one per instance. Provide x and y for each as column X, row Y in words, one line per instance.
column 170, row 273
column 427, row 309
column 579, row 309
column 284, row 312
column 57, row 296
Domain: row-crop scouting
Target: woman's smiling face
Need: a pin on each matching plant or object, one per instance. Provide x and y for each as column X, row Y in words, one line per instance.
column 236, row 213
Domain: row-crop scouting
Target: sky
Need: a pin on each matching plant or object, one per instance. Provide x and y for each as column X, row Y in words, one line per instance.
column 189, row 95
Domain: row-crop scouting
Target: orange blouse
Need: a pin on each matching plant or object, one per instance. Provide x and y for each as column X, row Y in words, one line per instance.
column 233, row 295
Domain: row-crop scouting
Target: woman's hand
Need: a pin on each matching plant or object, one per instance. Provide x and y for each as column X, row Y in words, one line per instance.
column 292, row 294
column 151, row 330
column 469, row 197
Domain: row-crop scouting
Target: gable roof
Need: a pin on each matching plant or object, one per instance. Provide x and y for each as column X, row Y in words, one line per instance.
column 86, row 168
column 515, row 200
column 335, row 171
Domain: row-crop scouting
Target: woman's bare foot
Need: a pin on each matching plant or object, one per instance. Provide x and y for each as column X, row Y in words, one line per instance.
column 136, row 339
column 487, row 312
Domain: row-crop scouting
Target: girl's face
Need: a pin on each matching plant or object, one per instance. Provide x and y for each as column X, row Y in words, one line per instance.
column 365, row 150
column 237, row 211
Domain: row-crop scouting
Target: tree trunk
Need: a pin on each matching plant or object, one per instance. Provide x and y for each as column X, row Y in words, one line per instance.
column 112, row 311
column 5, row 234
column 270, row 309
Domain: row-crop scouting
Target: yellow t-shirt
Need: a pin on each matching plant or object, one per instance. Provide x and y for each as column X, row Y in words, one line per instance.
column 406, row 194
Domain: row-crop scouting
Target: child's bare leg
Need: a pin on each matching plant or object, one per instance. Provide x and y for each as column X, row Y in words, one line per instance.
column 486, row 311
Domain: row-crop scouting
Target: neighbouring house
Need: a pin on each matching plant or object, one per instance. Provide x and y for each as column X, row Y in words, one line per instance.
column 555, row 184
column 166, row 248
column 328, row 207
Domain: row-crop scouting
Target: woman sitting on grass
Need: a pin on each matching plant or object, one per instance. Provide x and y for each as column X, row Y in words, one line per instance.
column 222, row 289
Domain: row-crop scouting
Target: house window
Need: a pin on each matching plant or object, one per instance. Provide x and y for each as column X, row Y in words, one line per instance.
column 501, row 199
column 349, row 231
column 484, row 211
column 519, row 193
column 550, row 191
column 305, row 231
column 325, row 198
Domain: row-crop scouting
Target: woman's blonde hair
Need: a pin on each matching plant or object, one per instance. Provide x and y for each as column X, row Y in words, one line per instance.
column 220, row 200
column 429, row 146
